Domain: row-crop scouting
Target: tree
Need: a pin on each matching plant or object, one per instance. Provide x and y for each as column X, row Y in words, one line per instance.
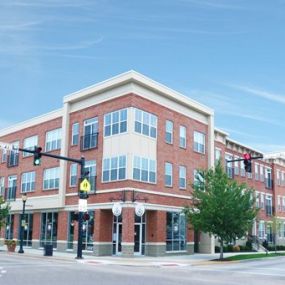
column 221, row 206
column 4, row 212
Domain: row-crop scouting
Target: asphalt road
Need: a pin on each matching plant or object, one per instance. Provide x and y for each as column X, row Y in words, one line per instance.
column 19, row 270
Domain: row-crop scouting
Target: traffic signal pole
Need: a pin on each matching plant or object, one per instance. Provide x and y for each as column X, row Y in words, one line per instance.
column 81, row 162
column 242, row 159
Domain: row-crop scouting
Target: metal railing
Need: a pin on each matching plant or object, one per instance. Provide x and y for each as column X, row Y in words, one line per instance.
column 89, row 141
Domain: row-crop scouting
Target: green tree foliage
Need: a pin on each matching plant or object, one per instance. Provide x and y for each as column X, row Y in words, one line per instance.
column 221, row 206
column 4, row 212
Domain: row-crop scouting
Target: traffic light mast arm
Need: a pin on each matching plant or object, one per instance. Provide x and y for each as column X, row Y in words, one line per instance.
column 242, row 159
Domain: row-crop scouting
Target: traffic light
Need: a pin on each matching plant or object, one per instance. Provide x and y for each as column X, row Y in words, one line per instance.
column 247, row 162
column 37, row 155
column 86, row 217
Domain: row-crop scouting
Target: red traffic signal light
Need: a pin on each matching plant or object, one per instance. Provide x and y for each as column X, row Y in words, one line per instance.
column 247, row 162
column 86, row 217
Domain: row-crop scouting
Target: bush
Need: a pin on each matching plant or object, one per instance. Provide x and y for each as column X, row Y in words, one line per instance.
column 236, row 248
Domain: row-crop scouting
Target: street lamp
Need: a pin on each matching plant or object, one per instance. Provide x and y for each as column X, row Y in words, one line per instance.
column 24, row 199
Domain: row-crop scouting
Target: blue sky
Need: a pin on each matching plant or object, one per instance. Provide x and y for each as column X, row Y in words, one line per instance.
column 227, row 54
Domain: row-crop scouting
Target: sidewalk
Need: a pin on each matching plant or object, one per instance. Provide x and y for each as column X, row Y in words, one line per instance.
column 175, row 260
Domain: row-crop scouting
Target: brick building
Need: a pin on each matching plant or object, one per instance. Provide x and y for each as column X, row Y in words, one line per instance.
column 142, row 143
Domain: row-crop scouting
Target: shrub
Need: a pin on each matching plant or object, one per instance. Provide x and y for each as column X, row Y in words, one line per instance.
column 236, row 248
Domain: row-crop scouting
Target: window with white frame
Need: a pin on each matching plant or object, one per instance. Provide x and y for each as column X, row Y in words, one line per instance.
column 91, row 170
column 51, row 178
column 168, row 174
column 145, row 123
column 268, row 205
column 261, row 230
column 2, row 186
column 114, row 168
column 182, row 177
column 242, row 170
column 53, row 140
column 199, row 142
column 282, row 178
column 182, row 136
column 73, row 175
column 169, row 131
column 283, row 204
column 278, row 177
column 257, row 204
column 279, row 203
column 144, row 169
column 30, row 143
column 115, row 122
column 28, row 182
column 236, row 163
column 75, row 134
column 256, row 173
column 262, row 200
column 261, row 173
column 218, row 155
column 4, row 155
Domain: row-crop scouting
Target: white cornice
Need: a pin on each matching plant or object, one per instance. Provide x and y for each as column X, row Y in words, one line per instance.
column 135, row 77
column 31, row 122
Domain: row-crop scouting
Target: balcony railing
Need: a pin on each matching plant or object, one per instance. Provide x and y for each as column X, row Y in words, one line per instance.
column 13, row 159
column 268, row 183
column 10, row 193
column 89, row 141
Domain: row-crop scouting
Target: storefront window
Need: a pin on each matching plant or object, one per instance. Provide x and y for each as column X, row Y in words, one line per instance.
column 88, row 232
column 70, row 230
column 175, row 232
column 49, row 229
column 9, row 233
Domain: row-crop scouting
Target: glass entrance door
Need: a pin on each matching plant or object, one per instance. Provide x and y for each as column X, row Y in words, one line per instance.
column 117, row 235
column 139, row 235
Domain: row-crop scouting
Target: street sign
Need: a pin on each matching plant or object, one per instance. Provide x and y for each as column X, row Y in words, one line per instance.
column 85, row 185
column 6, row 146
column 82, row 205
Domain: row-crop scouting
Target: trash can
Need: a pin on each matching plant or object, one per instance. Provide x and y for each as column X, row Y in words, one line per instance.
column 48, row 249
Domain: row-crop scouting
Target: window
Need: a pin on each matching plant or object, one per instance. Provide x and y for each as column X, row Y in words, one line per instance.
column 73, row 175
column 75, row 134
column 261, row 230
column 218, row 155
column 13, row 157
column 4, row 155
column 28, row 182
column 115, row 122
column 51, row 178
column 2, row 186
column 242, row 170
column 268, row 206
column 169, row 132
column 90, row 137
column 144, row 169
column 53, row 140
column 257, row 204
column 198, row 180
column 168, row 174
column 262, row 201
column 49, row 224
column 279, row 203
column 261, row 173
column 268, row 180
column 182, row 177
column 114, row 168
column 9, row 229
column 229, row 166
column 278, row 177
column 199, row 142
column 30, row 143
column 256, row 167
column 282, row 178
column 145, row 123
column 283, row 204
column 90, row 167
column 175, row 231
column 182, row 137
column 236, row 164
column 12, row 188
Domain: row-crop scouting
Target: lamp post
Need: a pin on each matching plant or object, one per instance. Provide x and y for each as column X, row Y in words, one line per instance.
column 24, row 199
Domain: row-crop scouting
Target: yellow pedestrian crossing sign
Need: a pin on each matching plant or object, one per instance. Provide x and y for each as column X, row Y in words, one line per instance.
column 85, row 185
